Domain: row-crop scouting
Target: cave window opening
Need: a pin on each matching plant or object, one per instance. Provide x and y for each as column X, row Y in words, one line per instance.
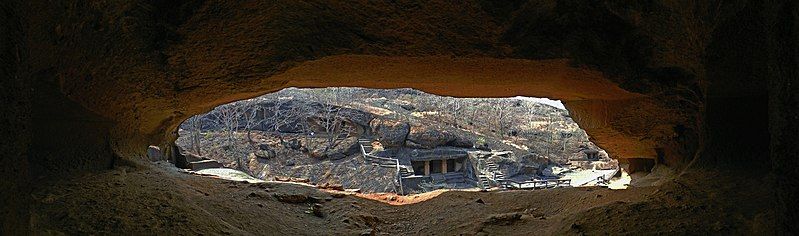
column 435, row 167
column 450, row 165
column 391, row 140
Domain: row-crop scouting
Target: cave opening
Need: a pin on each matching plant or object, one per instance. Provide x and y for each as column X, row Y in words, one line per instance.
column 699, row 95
column 402, row 141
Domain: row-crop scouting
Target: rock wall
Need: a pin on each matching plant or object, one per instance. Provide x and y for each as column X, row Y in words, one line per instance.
column 782, row 66
column 652, row 79
column 15, row 123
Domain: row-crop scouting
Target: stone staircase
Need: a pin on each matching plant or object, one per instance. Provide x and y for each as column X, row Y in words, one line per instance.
column 405, row 172
column 483, row 183
column 385, row 162
column 366, row 144
column 438, row 178
column 492, row 167
column 455, row 178
column 493, row 174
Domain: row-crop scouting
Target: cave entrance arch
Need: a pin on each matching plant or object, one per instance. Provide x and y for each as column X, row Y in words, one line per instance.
column 446, row 142
column 593, row 100
column 626, row 124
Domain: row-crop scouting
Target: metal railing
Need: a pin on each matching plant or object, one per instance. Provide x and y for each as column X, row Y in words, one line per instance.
column 385, row 161
column 536, row 184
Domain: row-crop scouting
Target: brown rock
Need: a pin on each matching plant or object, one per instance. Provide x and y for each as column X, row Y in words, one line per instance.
column 154, row 153
column 290, row 198
column 390, row 133
column 330, row 186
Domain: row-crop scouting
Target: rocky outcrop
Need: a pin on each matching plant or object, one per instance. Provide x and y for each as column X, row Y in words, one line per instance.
column 154, row 153
column 390, row 133
column 431, row 137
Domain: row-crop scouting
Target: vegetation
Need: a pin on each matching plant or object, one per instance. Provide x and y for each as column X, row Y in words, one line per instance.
column 310, row 133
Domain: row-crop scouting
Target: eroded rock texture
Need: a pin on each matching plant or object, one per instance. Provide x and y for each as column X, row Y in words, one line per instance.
column 677, row 82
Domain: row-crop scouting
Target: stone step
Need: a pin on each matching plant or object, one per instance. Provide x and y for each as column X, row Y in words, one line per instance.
column 204, row 164
column 483, row 185
column 483, row 182
column 454, row 177
column 438, row 178
column 453, row 174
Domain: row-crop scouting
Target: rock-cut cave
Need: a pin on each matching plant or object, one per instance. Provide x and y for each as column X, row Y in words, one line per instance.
column 705, row 91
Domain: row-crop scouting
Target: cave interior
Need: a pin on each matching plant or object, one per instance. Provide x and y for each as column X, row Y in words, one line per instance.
column 703, row 92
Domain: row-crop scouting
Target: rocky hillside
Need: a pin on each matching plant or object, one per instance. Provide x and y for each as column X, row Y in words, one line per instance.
column 312, row 133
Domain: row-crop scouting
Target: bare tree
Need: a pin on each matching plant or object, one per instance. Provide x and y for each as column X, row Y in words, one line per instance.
column 195, row 125
column 229, row 117
column 456, row 107
column 333, row 119
column 501, row 112
column 249, row 113
column 549, row 132
column 283, row 114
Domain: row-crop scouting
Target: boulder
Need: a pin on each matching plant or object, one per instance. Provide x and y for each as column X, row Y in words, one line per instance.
column 428, row 137
column 336, row 156
column 204, row 164
column 191, row 157
column 341, row 150
column 390, row 133
column 290, row 198
column 290, row 162
column 264, row 154
column 154, row 153
column 431, row 137
column 534, row 158
column 330, row 186
column 295, row 144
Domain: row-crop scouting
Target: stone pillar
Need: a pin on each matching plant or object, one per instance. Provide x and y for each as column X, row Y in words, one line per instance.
column 443, row 166
column 426, row 167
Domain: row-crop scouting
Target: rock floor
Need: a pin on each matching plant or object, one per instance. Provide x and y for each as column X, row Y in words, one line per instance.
column 156, row 199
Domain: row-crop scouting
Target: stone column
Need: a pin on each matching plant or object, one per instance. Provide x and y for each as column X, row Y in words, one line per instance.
column 443, row 166
column 426, row 167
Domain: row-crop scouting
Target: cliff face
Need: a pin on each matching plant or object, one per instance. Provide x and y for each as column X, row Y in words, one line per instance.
column 656, row 79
